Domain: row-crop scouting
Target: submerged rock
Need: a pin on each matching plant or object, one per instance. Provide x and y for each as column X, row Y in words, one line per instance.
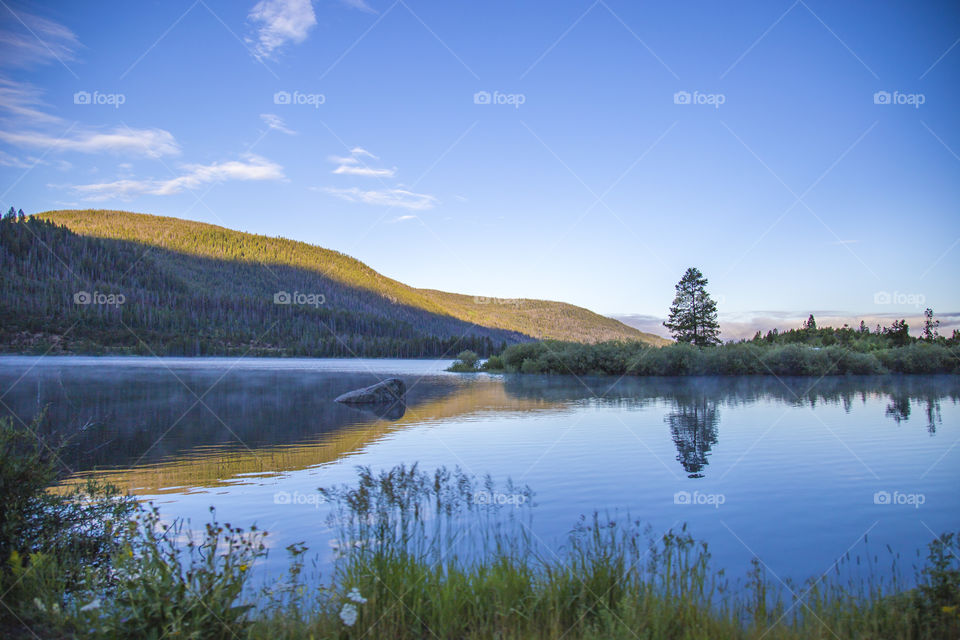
column 383, row 410
column 384, row 392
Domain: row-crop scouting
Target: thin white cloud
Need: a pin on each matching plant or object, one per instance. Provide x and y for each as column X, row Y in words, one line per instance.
column 152, row 143
column 278, row 23
column 251, row 167
column 360, row 5
column 354, row 170
column 386, row 197
column 22, row 100
column 25, row 125
column 353, row 165
column 27, row 40
column 8, row 160
column 275, row 122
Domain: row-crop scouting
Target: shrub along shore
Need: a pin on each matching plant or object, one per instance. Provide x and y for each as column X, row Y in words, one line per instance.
column 801, row 352
column 419, row 555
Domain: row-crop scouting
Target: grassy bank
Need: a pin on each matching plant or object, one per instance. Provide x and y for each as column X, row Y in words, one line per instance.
column 742, row 358
column 420, row 555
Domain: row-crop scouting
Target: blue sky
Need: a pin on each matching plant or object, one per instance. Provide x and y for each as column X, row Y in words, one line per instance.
column 579, row 151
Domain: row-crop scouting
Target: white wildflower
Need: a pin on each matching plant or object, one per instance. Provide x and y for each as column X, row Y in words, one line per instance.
column 349, row 614
column 91, row 606
column 355, row 596
column 39, row 604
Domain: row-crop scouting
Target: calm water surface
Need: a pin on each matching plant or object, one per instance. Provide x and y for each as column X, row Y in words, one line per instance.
column 794, row 471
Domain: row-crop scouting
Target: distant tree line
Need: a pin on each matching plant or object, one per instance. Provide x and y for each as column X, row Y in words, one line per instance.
column 809, row 350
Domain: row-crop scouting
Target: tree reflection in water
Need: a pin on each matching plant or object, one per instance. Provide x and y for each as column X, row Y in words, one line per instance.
column 693, row 426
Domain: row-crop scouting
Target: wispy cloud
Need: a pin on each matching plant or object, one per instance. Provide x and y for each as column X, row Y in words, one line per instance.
column 27, row 40
column 22, row 100
column 385, row 197
column 152, row 143
column 276, row 123
column 353, row 165
column 278, row 23
column 250, row 167
column 24, row 124
column 360, row 5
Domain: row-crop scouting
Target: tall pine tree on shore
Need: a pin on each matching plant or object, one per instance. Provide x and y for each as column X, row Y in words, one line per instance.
column 693, row 315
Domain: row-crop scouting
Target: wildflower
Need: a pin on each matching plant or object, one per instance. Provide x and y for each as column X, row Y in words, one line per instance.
column 243, row 567
column 355, row 596
column 39, row 604
column 349, row 614
column 91, row 606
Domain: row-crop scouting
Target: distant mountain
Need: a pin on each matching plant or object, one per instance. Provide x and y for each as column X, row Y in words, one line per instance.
column 184, row 287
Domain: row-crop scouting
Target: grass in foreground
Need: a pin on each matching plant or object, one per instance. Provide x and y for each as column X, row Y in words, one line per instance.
column 420, row 555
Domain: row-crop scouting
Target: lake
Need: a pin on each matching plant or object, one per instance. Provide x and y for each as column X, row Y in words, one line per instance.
column 797, row 472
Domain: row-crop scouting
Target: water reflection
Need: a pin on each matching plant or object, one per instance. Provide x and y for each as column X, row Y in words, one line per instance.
column 693, row 427
column 694, row 415
column 153, row 430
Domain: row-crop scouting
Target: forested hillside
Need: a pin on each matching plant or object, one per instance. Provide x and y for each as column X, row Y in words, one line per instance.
column 91, row 281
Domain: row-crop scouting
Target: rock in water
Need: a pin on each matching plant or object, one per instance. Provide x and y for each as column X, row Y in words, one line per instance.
column 385, row 391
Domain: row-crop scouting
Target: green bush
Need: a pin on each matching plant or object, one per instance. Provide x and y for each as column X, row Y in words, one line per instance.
column 791, row 358
column 493, row 363
column 466, row 362
column 53, row 545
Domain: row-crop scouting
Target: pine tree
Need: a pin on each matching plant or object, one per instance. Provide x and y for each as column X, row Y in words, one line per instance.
column 693, row 315
column 930, row 326
column 11, row 214
column 810, row 324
